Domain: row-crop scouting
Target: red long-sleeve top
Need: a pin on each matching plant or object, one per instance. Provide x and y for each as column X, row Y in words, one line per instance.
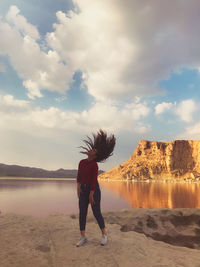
column 87, row 173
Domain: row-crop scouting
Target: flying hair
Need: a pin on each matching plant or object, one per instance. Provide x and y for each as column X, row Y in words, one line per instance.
column 103, row 143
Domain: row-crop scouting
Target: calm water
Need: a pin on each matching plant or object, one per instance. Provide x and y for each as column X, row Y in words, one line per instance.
column 40, row 198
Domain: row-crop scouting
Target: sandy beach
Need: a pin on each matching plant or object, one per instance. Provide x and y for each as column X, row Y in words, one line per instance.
column 51, row 241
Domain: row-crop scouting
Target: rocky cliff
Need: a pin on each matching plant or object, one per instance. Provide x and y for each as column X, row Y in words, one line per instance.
column 179, row 159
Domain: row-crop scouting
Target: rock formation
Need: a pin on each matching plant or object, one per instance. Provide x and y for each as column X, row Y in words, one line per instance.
column 179, row 159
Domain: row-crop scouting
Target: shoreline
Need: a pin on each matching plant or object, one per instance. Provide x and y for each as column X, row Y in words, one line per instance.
column 139, row 237
column 152, row 180
column 35, row 178
column 103, row 179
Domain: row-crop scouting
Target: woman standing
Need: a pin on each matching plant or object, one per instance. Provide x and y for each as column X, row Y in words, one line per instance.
column 88, row 190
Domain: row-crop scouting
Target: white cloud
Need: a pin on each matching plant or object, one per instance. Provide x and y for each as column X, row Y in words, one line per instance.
column 54, row 118
column 101, row 115
column 126, row 49
column 38, row 69
column 21, row 24
column 36, row 136
column 164, row 106
column 142, row 129
column 10, row 106
column 9, row 100
column 33, row 89
column 138, row 110
column 191, row 132
column 114, row 118
column 122, row 49
column 186, row 110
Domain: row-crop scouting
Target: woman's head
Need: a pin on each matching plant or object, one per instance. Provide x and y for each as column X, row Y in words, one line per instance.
column 92, row 154
column 101, row 145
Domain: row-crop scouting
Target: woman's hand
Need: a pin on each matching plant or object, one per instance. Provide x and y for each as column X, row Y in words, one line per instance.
column 79, row 189
column 91, row 198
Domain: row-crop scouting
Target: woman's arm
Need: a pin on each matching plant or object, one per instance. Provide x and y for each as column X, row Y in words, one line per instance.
column 78, row 179
column 94, row 174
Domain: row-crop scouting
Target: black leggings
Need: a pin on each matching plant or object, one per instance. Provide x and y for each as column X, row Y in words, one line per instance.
column 83, row 206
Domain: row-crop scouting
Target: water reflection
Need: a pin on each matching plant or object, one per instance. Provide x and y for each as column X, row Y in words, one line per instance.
column 157, row 194
column 6, row 184
column 40, row 198
column 37, row 197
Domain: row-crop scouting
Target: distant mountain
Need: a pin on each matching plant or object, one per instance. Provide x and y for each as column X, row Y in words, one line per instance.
column 20, row 171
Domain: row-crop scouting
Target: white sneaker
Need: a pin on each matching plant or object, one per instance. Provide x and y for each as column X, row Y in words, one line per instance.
column 104, row 240
column 82, row 241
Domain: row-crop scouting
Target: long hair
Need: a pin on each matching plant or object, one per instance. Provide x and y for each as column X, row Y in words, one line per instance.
column 103, row 143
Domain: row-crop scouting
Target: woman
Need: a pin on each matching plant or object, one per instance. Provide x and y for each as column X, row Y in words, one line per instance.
column 88, row 190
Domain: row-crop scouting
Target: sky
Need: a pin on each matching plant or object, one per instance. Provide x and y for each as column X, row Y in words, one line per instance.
column 69, row 68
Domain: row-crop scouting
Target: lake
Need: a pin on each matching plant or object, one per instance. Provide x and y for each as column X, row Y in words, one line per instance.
column 42, row 197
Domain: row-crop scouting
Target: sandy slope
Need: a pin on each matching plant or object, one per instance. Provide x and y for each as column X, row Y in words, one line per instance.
column 39, row 242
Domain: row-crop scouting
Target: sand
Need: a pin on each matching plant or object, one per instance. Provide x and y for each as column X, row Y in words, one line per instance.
column 51, row 241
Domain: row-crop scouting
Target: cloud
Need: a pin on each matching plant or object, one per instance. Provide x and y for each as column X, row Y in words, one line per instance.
column 110, row 117
column 191, row 132
column 54, row 118
column 14, row 115
column 38, row 69
column 186, row 110
column 126, row 49
column 100, row 115
column 114, row 118
column 20, row 23
column 123, row 50
column 42, row 136
column 9, row 104
column 142, row 129
column 164, row 106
